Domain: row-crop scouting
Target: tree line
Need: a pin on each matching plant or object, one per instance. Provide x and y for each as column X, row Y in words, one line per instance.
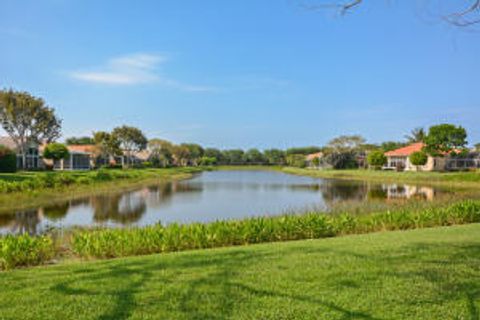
column 28, row 119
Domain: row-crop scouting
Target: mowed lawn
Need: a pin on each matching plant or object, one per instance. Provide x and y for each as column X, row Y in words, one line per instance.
column 420, row 274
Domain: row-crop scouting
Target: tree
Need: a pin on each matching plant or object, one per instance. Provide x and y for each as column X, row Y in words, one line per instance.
column 106, row 145
column 418, row 158
column 342, row 152
column 303, row 150
column 161, row 152
column 346, row 143
column 195, row 152
column 214, row 153
column 27, row 119
column 55, row 151
column 445, row 138
column 274, row 156
column 416, row 135
column 131, row 140
column 181, row 155
column 207, row 161
column 376, row 159
column 391, row 145
column 477, row 147
column 234, row 156
column 253, row 156
column 80, row 141
column 462, row 17
column 296, row 160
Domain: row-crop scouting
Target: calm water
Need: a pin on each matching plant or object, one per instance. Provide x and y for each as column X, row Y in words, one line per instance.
column 206, row 197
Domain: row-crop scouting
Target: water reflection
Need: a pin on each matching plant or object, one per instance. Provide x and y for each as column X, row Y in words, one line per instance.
column 210, row 196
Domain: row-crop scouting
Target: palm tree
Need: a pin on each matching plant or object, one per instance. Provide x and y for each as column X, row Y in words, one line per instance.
column 416, row 135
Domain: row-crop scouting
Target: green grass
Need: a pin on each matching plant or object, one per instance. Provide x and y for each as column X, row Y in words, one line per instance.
column 455, row 179
column 421, row 274
column 111, row 243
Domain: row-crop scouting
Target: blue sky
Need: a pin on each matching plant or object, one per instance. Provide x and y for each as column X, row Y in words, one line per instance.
column 242, row 73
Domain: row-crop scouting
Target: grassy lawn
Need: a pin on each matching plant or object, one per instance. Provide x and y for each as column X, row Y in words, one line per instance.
column 457, row 179
column 420, row 274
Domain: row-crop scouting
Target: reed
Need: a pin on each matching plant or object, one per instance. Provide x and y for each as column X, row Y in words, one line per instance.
column 109, row 243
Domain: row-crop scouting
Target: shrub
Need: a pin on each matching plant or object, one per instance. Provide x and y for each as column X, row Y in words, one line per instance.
column 55, row 151
column 419, row 158
column 8, row 160
column 376, row 159
column 25, row 250
column 207, row 161
column 296, row 160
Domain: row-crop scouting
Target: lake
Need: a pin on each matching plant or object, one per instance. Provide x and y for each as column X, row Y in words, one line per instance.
column 209, row 196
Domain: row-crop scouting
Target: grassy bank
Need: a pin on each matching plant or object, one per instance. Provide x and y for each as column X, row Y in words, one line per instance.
column 111, row 243
column 421, row 274
column 453, row 179
column 25, row 190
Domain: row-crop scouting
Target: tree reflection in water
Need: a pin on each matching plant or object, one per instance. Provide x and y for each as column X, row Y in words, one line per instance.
column 124, row 209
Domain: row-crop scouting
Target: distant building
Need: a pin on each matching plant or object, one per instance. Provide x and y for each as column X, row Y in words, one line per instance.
column 399, row 159
column 33, row 159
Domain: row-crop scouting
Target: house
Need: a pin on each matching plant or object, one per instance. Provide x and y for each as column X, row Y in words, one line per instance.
column 399, row 159
column 33, row 159
column 81, row 157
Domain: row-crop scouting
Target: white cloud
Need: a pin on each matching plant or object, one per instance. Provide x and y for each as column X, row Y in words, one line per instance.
column 134, row 69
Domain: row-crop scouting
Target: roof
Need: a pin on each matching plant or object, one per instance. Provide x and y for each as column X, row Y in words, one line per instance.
column 312, row 156
column 406, row 151
column 143, row 155
column 76, row 148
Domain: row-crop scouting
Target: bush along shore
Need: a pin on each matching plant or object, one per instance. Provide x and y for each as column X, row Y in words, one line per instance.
column 25, row 250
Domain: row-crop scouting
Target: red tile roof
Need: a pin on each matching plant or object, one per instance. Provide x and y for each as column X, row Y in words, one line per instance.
column 406, row 151
column 89, row 148
column 312, row 156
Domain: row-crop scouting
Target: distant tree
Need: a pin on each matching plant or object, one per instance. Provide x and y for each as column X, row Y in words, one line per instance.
column 391, row 145
column 207, row 161
column 181, row 155
column 376, row 159
column 214, row 153
column 131, row 140
column 55, row 151
column 161, row 152
column 477, row 147
column 80, row 141
column 27, row 119
column 274, row 156
column 316, row 162
column 296, row 160
column 342, row 160
column 233, row 156
column 369, row 147
column 342, row 151
column 195, row 152
column 445, row 138
column 416, row 135
column 346, row 143
column 303, row 150
column 254, row 156
column 418, row 158
column 106, row 145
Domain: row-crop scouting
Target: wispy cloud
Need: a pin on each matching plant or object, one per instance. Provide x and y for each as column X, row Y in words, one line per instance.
column 134, row 69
